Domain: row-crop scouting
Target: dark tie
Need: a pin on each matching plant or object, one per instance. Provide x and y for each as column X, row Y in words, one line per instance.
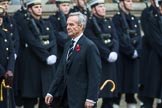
column 70, row 51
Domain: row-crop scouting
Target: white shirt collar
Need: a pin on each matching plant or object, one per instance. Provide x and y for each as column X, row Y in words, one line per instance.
column 77, row 39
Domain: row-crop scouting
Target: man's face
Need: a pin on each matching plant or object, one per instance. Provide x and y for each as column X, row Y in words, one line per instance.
column 73, row 28
column 64, row 7
column 99, row 10
column 128, row 4
column 36, row 10
column 5, row 4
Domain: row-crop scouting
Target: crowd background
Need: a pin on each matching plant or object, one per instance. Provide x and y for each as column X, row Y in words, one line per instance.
column 16, row 2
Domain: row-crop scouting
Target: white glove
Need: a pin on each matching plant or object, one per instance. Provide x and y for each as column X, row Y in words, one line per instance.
column 135, row 54
column 113, row 56
column 15, row 55
column 51, row 60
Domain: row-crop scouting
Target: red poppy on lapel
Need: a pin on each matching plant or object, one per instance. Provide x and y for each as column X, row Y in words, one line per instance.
column 77, row 48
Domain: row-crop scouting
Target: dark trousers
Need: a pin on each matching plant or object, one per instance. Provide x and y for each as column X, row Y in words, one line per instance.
column 31, row 102
column 107, row 103
column 42, row 103
column 148, row 102
column 159, row 105
column 129, row 98
column 64, row 100
column 61, row 102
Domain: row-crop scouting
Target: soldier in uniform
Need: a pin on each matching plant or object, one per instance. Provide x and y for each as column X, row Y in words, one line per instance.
column 81, row 6
column 37, row 56
column 151, row 70
column 58, row 22
column 101, row 30
column 21, row 13
column 128, row 30
column 10, row 24
column 6, row 65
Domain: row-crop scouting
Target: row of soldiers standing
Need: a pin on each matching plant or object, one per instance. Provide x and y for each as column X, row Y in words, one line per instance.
column 35, row 44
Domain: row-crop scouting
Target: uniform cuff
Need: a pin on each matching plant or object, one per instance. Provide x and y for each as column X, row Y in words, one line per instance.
column 88, row 100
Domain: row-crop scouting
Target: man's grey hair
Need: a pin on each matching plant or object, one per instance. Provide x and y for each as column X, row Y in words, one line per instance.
column 82, row 19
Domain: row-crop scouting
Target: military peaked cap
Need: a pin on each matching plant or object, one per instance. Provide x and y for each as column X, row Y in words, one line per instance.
column 30, row 3
column 63, row 1
column 93, row 3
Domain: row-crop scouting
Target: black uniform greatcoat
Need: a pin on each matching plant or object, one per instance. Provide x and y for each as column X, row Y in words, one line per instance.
column 34, row 75
column 7, row 62
column 59, row 25
column 128, row 67
column 151, row 72
column 83, row 78
column 10, row 24
column 7, row 51
column 108, row 69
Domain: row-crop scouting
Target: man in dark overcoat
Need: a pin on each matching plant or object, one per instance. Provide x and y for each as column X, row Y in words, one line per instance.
column 79, row 69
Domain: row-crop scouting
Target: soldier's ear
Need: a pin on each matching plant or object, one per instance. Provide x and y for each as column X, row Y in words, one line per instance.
column 93, row 10
column 30, row 10
column 121, row 4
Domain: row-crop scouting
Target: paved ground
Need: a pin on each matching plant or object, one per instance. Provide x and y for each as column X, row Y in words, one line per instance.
column 122, row 103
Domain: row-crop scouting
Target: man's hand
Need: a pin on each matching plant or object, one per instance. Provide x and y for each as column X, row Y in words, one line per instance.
column 89, row 104
column 9, row 77
column 48, row 99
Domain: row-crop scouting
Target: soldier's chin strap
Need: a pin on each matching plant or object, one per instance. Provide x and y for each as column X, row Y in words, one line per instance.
column 97, row 13
column 106, row 82
column 3, row 85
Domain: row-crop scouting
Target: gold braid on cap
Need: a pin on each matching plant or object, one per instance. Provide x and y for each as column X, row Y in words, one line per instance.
column 3, row 85
column 106, row 82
